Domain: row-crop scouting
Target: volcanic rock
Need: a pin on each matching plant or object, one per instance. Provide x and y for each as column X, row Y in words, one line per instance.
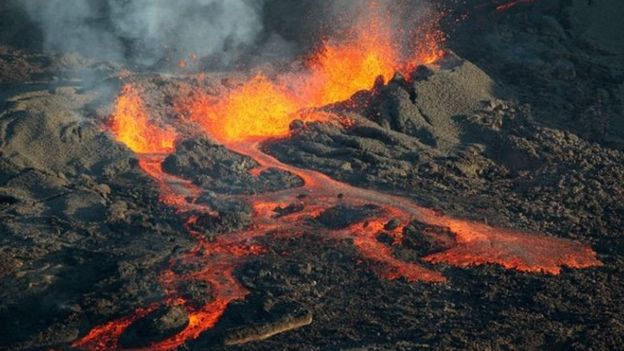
column 117, row 211
column 598, row 23
column 158, row 325
column 455, row 89
column 214, row 167
column 223, row 222
column 74, row 205
column 290, row 209
column 385, row 238
column 341, row 216
column 392, row 224
column 392, row 107
column 425, row 239
column 45, row 132
column 196, row 292
column 85, row 205
column 230, row 215
column 282, row 317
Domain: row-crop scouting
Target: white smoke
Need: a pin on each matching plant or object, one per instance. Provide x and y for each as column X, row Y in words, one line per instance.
column 146, row 31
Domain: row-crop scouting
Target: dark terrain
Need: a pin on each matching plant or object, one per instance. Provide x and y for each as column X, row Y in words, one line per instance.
column 521, row 125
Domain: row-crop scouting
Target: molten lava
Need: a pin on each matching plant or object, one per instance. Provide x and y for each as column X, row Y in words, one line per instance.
column 339, row 70
column 131, row 126
column 262, row 109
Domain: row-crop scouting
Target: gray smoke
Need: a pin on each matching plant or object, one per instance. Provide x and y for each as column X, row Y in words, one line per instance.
column 221, row 32
column 147, row 31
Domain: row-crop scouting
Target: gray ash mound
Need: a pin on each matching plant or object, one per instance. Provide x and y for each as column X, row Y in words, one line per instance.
column 563, row 58
column 82, row 227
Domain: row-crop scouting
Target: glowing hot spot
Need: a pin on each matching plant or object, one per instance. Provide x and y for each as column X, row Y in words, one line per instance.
column 131, row 126
column 339, row 71
column 256, row 109
column 263, row 108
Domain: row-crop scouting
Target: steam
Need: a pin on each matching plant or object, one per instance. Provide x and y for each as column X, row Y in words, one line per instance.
column 221, row 33
column 147, row 31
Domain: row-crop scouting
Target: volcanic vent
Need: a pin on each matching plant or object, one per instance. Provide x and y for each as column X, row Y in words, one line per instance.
column 253, row 207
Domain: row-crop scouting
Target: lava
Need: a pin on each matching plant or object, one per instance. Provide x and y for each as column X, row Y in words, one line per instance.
column 509, row 5
column 106, row 336
column 338, row 70
column 262, row 109
column 131, row 126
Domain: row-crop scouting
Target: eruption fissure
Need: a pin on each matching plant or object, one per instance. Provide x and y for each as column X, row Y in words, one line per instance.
column 261, row 110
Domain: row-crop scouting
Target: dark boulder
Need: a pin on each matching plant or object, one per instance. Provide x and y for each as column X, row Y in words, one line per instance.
column 156, row 326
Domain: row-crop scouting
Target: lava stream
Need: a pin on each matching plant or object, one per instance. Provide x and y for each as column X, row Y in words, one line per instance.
column 477, row 243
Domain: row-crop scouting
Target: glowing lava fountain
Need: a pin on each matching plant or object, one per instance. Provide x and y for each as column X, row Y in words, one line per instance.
column 262, row 109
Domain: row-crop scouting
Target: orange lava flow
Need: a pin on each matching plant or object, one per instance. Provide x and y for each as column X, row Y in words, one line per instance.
column 106, row 336
column 482, row 244
column 262, row 109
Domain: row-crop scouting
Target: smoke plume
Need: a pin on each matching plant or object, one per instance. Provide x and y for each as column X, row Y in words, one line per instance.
column 147, row 31
column 220, row 33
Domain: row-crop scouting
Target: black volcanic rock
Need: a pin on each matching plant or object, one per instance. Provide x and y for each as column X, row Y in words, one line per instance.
column 426, row 239
column 223, row 222
column 289, row 209
column 278, row 318
column 231, row 215
column 341, row 216
column 391, row 106
column 156, row 326
column 214, row 167
column 392, row 224
column 196, row 292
